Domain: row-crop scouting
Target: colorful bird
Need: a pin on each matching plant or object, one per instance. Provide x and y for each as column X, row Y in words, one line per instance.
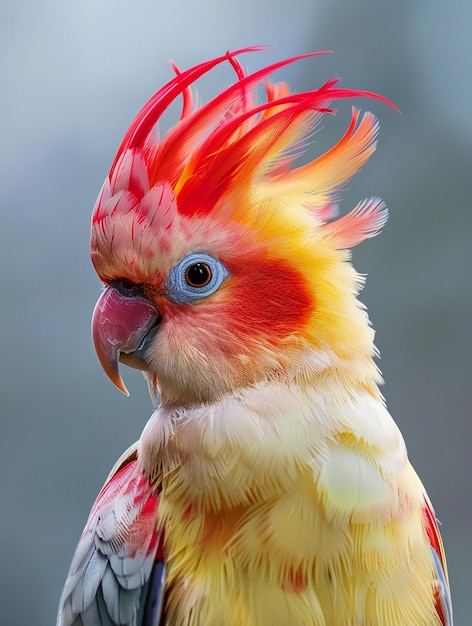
column 271, row 486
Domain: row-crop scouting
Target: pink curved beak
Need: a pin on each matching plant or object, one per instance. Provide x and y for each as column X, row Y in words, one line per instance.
column 120, row 327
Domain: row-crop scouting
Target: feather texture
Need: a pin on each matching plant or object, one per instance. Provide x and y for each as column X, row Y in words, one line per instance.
column 112, row 569
column 271, row 485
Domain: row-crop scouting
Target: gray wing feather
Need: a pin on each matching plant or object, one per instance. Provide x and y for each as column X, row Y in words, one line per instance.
column 111, row 574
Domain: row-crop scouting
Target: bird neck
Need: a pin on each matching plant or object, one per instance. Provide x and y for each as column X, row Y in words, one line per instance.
column 251, row 444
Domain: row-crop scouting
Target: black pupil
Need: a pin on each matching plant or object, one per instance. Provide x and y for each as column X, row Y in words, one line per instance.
column 198, row 275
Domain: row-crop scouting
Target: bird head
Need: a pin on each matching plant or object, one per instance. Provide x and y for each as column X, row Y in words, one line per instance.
column 222, row 261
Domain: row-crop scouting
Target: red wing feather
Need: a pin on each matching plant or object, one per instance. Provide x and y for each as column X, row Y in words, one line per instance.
column 118, row 563
column 443, row 596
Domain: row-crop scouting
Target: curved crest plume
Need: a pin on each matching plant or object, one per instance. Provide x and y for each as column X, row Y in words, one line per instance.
column 234, row 143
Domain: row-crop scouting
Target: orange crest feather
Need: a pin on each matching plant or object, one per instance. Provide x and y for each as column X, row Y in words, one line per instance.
column 233, row 143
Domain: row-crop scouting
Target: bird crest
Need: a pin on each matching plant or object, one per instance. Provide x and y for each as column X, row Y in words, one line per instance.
column 223, row 154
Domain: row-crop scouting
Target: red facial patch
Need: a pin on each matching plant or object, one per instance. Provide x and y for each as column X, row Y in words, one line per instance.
column 269, row 298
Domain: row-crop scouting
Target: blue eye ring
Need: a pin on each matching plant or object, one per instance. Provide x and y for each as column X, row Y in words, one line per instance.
column 196, row 276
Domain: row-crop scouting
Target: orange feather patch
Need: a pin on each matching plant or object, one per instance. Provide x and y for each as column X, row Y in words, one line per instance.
column 233, row 141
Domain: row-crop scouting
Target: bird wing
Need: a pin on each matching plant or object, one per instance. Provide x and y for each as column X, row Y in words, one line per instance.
column 443, row 595
column 117, row 573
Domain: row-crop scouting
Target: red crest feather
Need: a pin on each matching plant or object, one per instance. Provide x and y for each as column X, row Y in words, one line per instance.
column 232, row 141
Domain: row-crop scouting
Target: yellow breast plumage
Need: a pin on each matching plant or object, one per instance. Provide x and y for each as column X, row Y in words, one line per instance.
column 283, row 505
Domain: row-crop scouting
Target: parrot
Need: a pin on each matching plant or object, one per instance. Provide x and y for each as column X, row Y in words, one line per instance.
column 270, row 486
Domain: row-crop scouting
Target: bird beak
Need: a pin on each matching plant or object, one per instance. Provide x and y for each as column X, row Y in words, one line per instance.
column 122, row 329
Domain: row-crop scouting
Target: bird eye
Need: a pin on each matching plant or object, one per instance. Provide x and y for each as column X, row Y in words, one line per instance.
column 196, row 276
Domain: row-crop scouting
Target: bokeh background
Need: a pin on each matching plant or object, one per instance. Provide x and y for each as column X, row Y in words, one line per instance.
column 72, row 77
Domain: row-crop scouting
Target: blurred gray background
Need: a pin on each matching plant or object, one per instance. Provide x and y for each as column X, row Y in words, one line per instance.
column 73, row 75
